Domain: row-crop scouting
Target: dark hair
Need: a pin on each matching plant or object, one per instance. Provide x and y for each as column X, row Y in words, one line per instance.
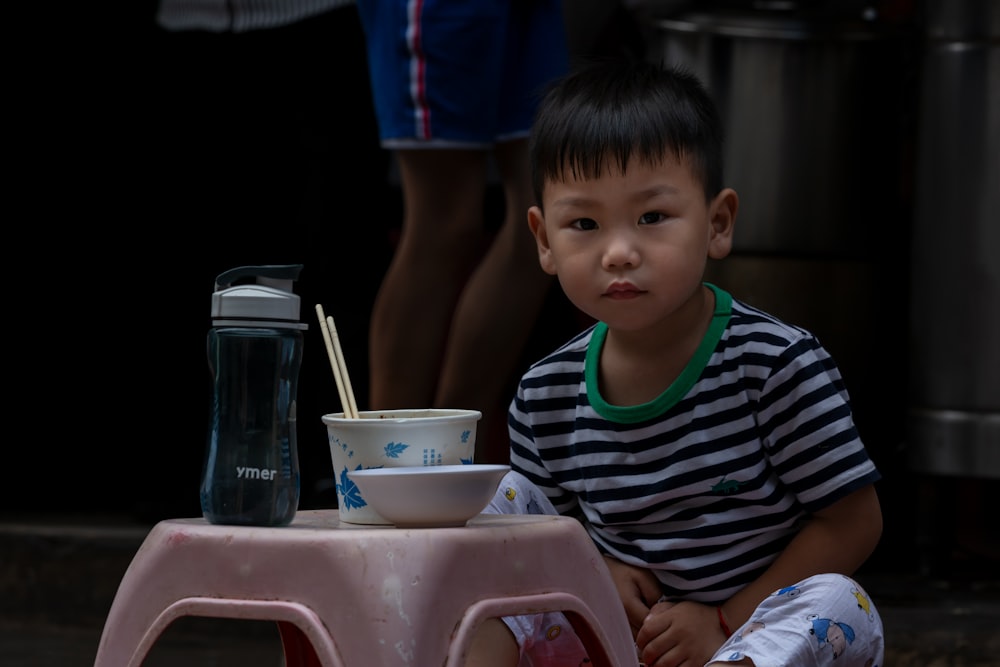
column 608, row 111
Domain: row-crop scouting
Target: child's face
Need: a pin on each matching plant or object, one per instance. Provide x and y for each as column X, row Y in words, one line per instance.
column 630, row 249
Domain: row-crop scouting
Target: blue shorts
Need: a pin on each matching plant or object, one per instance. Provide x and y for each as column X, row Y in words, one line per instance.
column 460, row 73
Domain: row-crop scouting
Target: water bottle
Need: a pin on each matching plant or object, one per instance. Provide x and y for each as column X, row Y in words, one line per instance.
column 251, row 471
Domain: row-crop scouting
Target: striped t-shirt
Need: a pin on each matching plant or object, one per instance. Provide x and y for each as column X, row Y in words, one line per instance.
column 707, row 483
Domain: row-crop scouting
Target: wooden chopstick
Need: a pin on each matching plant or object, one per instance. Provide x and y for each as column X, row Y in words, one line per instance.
column 336, row 356
column 348, row 389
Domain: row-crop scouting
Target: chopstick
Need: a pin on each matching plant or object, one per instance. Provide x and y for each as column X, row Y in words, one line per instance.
column 337, row 363
column 348, row 389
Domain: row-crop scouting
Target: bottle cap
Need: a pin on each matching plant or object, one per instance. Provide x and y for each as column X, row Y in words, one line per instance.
column 267, row 301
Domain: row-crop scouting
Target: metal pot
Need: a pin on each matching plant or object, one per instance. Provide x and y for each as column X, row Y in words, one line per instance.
column 812, row 111
column 954, row 422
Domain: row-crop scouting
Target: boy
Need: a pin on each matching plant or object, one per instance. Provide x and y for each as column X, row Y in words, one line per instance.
column 707, row 447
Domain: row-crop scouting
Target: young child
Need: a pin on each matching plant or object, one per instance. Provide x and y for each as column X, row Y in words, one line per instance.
column 707, row 447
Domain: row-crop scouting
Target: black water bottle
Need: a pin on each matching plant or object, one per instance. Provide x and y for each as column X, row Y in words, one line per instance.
column 251, row 470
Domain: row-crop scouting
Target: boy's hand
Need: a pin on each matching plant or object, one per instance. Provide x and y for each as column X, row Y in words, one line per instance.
column 638, row 590
column 679, row 634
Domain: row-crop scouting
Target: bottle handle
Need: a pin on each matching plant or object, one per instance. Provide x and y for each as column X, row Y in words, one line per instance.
column 280, row 276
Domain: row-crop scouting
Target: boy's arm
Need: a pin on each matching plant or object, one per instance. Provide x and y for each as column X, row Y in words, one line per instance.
column 837, row 539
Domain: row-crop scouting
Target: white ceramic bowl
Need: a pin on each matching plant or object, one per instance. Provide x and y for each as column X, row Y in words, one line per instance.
column 394, row 439
column 429, row 497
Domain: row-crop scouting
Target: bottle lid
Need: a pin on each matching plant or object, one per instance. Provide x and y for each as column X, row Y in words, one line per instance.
column 267, row 301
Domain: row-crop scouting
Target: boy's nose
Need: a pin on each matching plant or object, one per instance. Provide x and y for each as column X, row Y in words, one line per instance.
column 621, row 251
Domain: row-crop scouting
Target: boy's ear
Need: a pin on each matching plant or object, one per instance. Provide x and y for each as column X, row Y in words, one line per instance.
column 722, row 220
column 536, row 221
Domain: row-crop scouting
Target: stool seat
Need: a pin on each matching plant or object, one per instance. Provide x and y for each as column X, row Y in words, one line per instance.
column 347, row 595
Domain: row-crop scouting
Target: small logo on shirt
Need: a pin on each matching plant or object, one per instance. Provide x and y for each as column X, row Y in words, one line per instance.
column 726, row 486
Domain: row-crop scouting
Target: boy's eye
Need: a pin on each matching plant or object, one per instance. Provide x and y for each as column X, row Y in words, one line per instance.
column 585, row 224
column 651, row 218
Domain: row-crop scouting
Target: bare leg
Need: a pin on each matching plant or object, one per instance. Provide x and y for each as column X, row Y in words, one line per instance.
column 493, row 646
column 440, row 243
column 496, row 313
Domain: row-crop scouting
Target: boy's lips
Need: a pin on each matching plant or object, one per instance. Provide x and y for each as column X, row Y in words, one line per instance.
column 622, row 291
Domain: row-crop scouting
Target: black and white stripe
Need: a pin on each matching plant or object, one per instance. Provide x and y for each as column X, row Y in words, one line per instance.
column 707, row 489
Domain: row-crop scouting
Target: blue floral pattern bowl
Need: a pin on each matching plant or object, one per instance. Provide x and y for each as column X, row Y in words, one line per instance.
column 394, row 439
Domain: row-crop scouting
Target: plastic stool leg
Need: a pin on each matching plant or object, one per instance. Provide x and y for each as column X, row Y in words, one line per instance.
column 299, row 651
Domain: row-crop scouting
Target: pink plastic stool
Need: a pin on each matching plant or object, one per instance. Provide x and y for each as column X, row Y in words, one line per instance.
column 345, row 595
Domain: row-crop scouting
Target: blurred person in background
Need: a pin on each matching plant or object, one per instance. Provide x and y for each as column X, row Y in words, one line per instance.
column 455, row 86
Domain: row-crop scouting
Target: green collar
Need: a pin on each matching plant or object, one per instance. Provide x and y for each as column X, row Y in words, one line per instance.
column 632, row 414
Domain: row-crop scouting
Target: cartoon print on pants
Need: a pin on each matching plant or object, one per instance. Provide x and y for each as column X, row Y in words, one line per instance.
column 751, row 627
column 789, row 591
column 864, row 604
column 510, row 493
column 837, row 635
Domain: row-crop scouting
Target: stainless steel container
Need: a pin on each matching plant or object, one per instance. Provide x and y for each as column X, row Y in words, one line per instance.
column 954, row 418
column 812, row 109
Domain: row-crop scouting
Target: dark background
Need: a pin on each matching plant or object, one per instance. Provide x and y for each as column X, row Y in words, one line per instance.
column 174, row 157
column 147, row 163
